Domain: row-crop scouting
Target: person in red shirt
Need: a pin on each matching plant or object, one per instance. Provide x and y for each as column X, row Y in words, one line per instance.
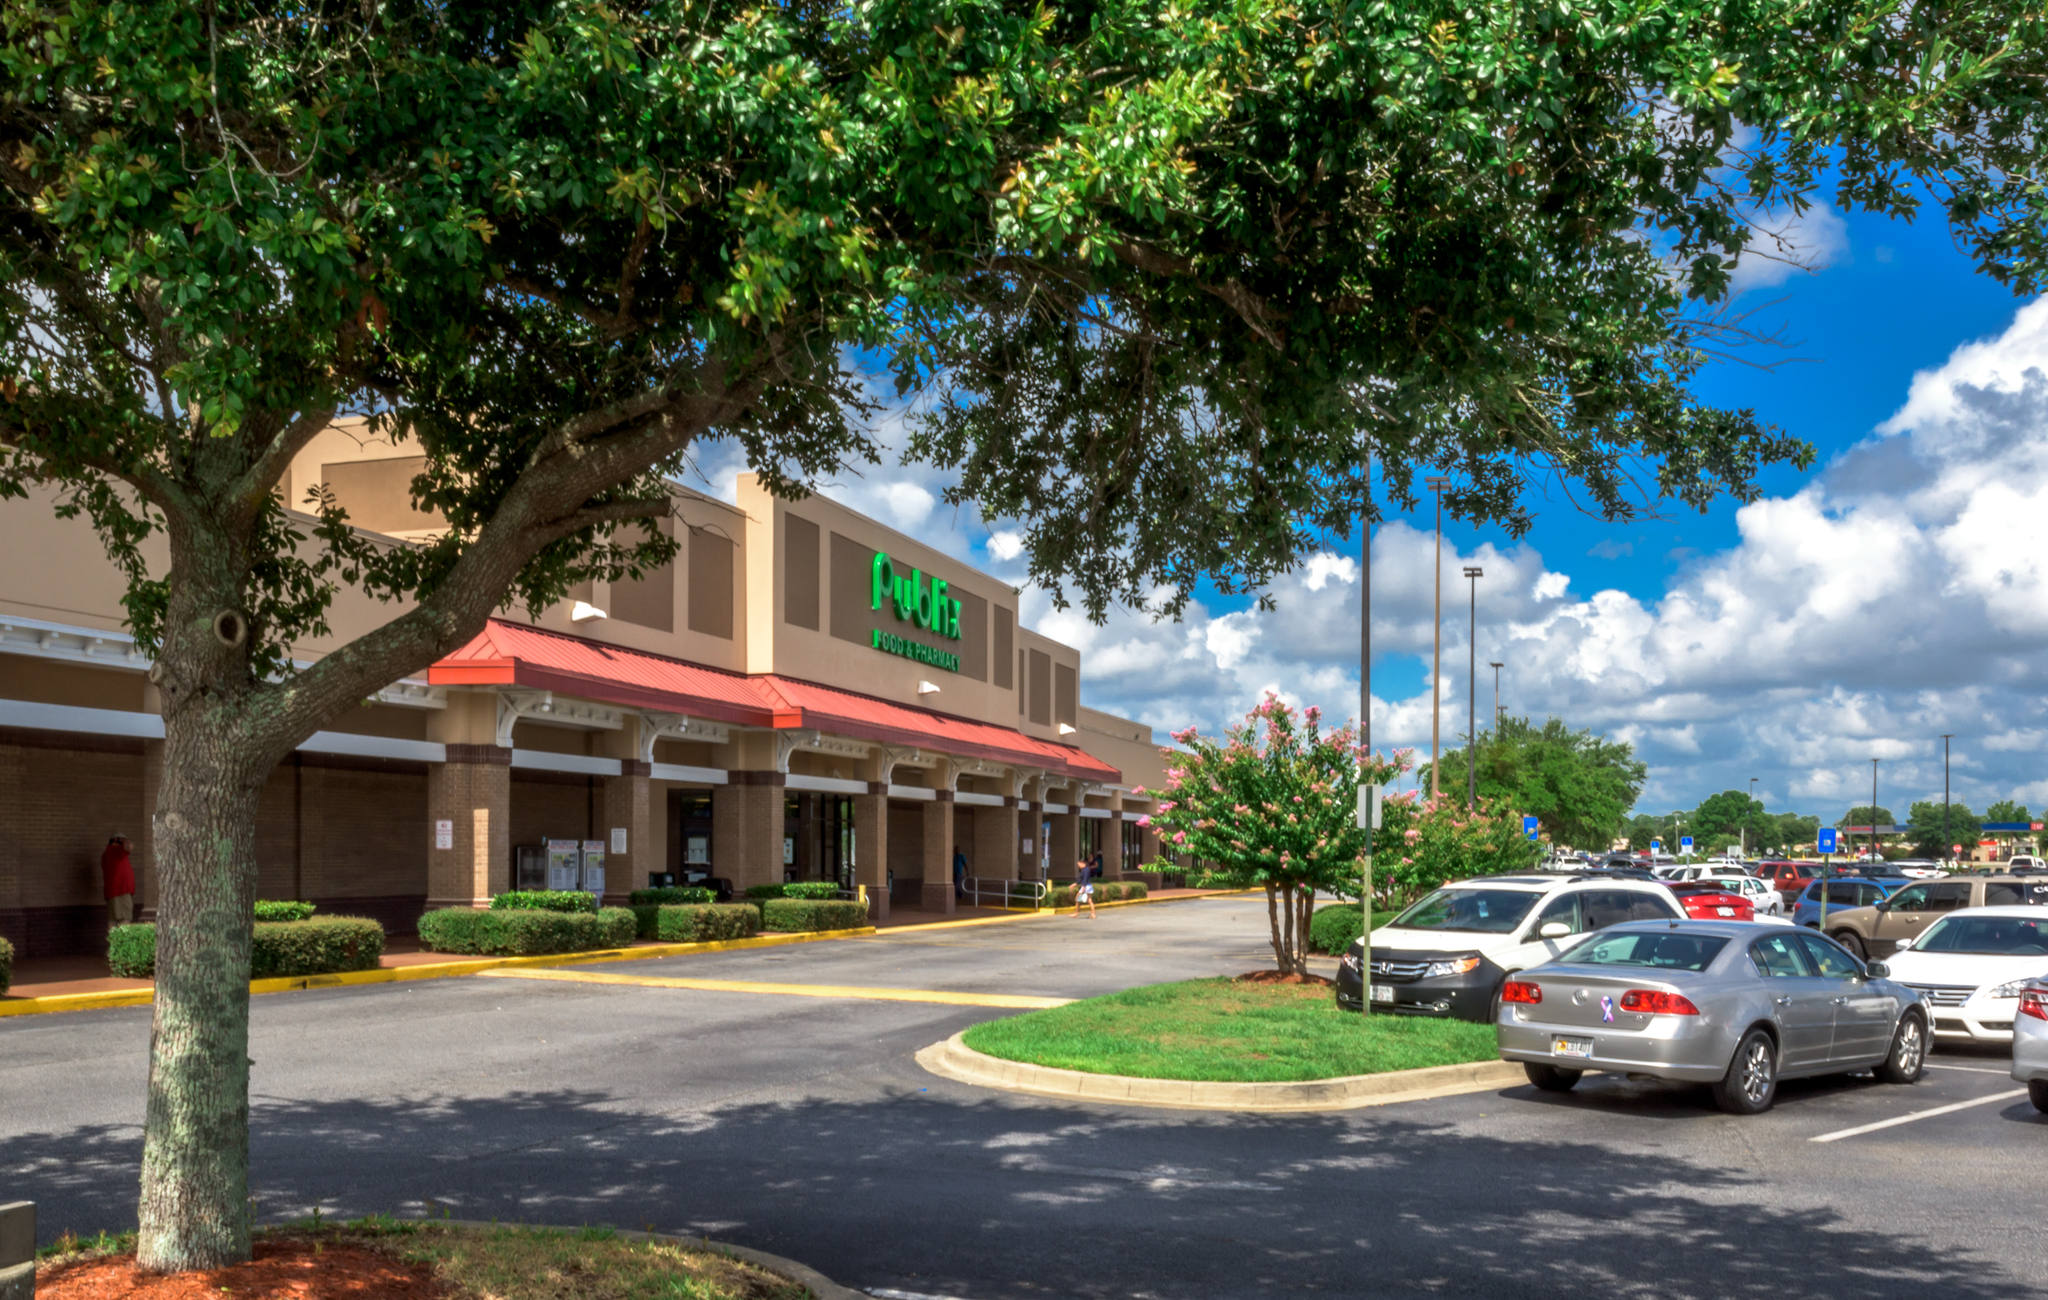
column 117, row 872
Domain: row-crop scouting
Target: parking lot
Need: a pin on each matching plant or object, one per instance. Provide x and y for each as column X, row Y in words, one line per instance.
column 794, row 1120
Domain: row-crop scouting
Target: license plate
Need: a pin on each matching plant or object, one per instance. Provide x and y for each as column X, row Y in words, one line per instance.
column 1381, row 993
column 1571, row 1047
column 1725, row 911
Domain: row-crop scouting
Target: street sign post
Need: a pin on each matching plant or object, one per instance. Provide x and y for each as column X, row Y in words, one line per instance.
column 1826, row 840
column 1368, row 821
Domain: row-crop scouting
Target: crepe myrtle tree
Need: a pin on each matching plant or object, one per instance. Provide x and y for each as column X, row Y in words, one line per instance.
column 1169, row 275
column 1273, row 803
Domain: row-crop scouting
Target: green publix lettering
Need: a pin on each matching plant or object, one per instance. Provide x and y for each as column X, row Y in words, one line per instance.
column 927, row 606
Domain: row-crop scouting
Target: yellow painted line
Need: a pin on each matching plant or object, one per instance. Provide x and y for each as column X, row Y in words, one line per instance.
column 860, row 992
column 425, row 971
column 1040, row 913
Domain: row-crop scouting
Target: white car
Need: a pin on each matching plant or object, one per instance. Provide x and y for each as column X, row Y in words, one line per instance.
column 2030, row 1044
column 1918, row 869
column 2023, row 862
column 1971, row 965
column 1766, row 900
column 1683, row 871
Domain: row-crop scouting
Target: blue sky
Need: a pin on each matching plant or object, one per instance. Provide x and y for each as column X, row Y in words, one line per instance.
column 1896, row 591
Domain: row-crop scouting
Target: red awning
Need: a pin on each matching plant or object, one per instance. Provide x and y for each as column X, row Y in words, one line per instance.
column 513, row 654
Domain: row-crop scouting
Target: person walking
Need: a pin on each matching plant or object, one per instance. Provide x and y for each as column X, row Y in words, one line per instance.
column 1084, row 888
column 117, row 876
column 959, row 872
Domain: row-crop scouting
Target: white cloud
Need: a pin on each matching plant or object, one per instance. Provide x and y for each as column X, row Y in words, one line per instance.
column 1324, row 565
column 1006, row 544
column 1550, row 586
column 1782, row 244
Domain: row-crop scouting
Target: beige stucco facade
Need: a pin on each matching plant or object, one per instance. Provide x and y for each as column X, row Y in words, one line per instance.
column 757, row 715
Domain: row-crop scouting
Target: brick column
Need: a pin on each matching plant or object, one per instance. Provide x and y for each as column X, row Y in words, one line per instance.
column 1113, row 847
column 1066, row 843
column 472, row 791
column 627, row 806
column 747, row 821
column 938, row 853
column 993, row 855
column 1030, row 839
column 871, row 846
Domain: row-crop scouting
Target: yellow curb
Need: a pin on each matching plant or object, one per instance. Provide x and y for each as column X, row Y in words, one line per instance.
column 424, row 971
column 866, row 993
column 953, row 1059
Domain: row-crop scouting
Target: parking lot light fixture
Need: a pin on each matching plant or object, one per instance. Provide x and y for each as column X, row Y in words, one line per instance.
column 1946, row 736
column 1435, row 484
column 1873, row 808
column 1473, row 573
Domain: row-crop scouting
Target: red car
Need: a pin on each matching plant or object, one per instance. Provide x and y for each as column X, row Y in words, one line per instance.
column 1789, row 878
column 1707, row 902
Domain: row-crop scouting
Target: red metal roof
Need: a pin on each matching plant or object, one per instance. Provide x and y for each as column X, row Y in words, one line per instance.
column 514, row 654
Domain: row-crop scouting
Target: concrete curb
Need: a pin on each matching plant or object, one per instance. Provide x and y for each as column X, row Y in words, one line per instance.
column 822, row 1287
column 425, row 971
column 953, row 1059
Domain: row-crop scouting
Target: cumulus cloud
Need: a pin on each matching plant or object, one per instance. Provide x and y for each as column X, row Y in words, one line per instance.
column 1784, row 243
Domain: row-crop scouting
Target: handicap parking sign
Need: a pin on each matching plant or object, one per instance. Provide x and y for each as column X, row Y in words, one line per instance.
column 1529, row 827
column 1827, row 839
column 1685, row 843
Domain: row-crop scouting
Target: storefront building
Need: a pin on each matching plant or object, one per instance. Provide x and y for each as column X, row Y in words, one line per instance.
column 803, row 694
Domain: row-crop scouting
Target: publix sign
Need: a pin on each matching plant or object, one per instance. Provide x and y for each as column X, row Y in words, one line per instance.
column 918, row 602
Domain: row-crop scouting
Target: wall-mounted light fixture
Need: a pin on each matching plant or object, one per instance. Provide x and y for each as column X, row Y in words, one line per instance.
column 585, row 611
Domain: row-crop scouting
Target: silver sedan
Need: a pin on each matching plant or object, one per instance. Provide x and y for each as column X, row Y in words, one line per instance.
column 1735, row 1005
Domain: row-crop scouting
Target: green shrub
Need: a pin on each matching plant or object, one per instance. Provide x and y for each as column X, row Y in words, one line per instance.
column 1112, row 891
column 1169, row 872
column 320, row 946
column 618, row 925
column 522, row 932
column 131, row 951
column 451, row 929
column 672, row 894
column 702, row 922
column 794, row 889
column 270, row 909
column 787, row 914
column 544, row 900
column 6, row 965
column 1335, row 928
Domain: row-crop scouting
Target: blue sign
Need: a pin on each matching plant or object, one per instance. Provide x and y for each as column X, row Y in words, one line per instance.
column 1529, row 827
column 1656, row 846
column 1826, row 840
column 1685, row 843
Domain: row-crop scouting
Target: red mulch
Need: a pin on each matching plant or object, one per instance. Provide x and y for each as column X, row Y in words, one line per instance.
column 1275, row 977
column 283, row 1269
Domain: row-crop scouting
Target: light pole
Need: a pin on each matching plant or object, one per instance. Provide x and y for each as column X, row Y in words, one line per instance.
column 1873, row 808
column 1365, row 615
column 1495, row 665
column 1436, row 659
column 1946, row 736
column 1747, row 813
column 1473, row 573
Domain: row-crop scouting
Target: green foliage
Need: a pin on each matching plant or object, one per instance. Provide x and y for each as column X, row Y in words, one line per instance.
column 6, row 965
column 1115, row 891
column 1794, row 832
column 812, row 914
column 131, row 950
column 283, row 910
column 1421, row 845
column 672, row 894
column 1864, row 814
column 1212, row 878
column 2004, row 810
column 1579, row 786
column 319, row 946
column 523, row 932
column 1336, row 927
column 705, row 922
column 544, row 900
column 618, row 926
column 1935, row 827
column 795, row 889
column 1171, row 874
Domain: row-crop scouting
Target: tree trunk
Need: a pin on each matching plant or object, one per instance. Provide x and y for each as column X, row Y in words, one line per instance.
column 194, row 1210
column 1273, row 920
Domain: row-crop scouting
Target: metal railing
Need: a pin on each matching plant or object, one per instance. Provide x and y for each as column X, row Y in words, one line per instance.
column 1019, row 894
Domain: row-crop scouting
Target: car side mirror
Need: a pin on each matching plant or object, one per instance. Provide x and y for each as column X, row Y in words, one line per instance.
column 1877, row 970
column 1553, row 930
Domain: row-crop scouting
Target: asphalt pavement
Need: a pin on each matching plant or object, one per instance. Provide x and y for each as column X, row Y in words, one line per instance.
column 800, row 1125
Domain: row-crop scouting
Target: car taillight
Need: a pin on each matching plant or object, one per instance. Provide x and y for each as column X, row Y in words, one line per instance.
column 2034, row 1002
column 1654, row 1002
column 1520, row 991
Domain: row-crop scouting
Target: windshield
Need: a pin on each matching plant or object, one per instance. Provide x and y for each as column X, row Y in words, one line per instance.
column 1660, row 950
column 1997, row 936
column 1490, row 911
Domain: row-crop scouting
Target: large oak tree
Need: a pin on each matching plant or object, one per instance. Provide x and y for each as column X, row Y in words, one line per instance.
column 1169, row 270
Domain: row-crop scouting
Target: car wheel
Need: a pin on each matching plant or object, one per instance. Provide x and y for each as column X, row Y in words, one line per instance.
column 1907, row 1060
column 1751, row 1084
column 1551, row 1079
column 1853, row 942
column 2037, row 1092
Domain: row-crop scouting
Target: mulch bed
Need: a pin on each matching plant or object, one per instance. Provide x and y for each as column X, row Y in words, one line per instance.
column 283, row 1268
column 1275, row 977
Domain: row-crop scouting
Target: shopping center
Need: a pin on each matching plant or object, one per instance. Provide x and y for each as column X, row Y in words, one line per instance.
column 803, row 694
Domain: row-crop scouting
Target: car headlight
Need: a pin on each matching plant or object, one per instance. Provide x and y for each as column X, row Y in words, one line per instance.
column 1455, row 966
column 2011, row 989
column 1351, row 961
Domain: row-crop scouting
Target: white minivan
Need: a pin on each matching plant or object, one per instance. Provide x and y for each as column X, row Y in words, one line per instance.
column 1447, row 953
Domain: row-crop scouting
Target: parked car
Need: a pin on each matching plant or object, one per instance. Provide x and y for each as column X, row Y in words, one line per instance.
column 1685, row 871
column 1880, row 928
column 1708, row 902
column 1447, row 954
column 1843, row 893
column 1918, row 868
column 1764, row 899
column 2030, row 1043
column 1788, row 877
column 1971, row 966
column 2020, row 863
column 1738, row 1007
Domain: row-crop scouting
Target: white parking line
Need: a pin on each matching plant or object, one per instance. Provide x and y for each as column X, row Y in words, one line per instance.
column 1839, row 1134
column 1968, row 1069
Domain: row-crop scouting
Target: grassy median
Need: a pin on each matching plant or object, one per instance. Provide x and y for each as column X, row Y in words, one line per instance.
column 1220, row 1031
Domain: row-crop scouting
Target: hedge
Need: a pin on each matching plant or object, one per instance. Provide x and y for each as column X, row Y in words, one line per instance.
column 672, row 894
column 544, row 900
column 702, row 922
column 1105, row 892
column 795, row 889
column 1335, row 928
column 788, row 914
column 524, row 932
column 6, row 965
column 270, row 909
column 320, row 946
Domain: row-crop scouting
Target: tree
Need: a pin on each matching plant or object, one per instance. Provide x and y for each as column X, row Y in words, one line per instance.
column 1864, row 814
column 1171, row 278
column 1795, row 830
column 1578, row 786
column 2005, row 810
column 1723, row 819
column 1937, row 825
column 1643, row 831
column 1423, row 844
column 1273, row 803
